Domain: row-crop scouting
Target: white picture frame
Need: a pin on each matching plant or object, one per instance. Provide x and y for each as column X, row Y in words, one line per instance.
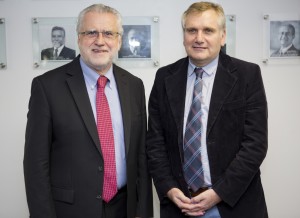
column 3, row 61
column 272, row 38
column 147, row 30
column 41, row 39
column 229, row 47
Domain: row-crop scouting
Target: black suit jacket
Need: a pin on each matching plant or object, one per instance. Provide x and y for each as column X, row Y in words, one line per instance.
column 63, row 164
column 292, row 51
column 65, row 54
column 236, row 136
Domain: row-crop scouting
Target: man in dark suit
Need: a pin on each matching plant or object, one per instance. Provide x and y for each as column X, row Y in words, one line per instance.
column 65, row 157
column 286, row 35
column 219, row 175
column 59, row 51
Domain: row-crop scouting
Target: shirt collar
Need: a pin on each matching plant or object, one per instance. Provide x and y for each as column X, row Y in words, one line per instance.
column 59, row 48
column 283, row 50
column 91, row 76
column 209, row 69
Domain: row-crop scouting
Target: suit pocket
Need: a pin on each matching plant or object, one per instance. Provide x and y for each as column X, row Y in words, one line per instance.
column 64, row 195
column 233, row 113
column 231, row 123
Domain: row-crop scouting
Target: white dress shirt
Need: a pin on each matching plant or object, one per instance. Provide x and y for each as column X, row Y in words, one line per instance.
column 59, row 49
column 112, row 95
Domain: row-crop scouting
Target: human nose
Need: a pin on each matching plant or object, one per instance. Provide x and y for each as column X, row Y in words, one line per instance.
column 99, row 39
column 199, row 36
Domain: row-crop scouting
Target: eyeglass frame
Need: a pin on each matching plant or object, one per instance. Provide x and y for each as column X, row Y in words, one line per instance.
column 105, row 34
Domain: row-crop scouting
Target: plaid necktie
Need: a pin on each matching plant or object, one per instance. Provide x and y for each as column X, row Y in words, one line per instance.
column 192, row 167
column 105, row 132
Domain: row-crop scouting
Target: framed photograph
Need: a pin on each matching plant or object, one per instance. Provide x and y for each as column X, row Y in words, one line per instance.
column 3, row 64
column 229, row 47
column 51, row 0
column 140, row 42
column 54, row 41
column 281, row 39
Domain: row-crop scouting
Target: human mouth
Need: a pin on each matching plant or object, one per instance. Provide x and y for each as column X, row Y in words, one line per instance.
column 99, row 50
column 199, row 48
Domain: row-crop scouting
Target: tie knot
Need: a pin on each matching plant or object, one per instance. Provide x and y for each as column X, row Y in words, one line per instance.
column 199, row 72
column 102, row 81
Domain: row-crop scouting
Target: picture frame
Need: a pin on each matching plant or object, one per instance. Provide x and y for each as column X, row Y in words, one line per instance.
column 3, row 64
column 140, row 43
column 53, row 0
column 281, row 37
column 43, row 41
column 229, row 47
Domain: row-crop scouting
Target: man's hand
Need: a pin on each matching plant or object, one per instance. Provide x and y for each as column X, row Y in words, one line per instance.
column 203, row 202
column 184, row 203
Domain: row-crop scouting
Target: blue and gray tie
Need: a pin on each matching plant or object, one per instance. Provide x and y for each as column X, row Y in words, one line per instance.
column 192, row 167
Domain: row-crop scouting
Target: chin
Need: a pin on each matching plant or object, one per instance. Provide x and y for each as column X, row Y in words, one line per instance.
column 199, row 57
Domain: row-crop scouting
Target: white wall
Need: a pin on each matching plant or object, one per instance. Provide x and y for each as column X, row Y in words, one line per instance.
column 280, row 171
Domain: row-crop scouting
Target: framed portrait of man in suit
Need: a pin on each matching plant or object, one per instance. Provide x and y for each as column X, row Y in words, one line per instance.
column 229, row 47
column 54, row 41
column 140, row 42
column 281, row 38
column 2, row 44
column 136, row 42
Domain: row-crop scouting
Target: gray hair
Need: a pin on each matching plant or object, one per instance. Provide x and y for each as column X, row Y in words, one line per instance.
column 100, row 8
column 291, row 28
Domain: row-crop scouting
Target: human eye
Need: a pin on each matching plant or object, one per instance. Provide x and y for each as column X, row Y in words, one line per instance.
column 108, row 34
column 209, row 30
column 91, row 33
column 191, row 31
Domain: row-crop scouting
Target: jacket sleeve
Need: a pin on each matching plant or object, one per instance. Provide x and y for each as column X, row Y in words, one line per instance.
column 144, row 184
column 37, row 154
column 158, row 157
column 252, row 140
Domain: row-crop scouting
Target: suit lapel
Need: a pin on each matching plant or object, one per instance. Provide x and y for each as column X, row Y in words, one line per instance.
column 176, row 90
column 225, row 80
column 124, row 96
column 78, row 89
column 63, row 52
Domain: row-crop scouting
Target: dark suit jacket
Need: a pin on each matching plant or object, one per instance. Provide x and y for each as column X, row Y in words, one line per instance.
column 292, row 51
column 236, row 136
column 63, row 164
column 65, row 54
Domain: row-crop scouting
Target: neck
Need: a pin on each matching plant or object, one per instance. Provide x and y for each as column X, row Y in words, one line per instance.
column 102, row 70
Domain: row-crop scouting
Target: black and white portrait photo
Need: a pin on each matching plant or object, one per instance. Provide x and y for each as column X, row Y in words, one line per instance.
column 285, row 38
column 136, row 42
column 57, row 42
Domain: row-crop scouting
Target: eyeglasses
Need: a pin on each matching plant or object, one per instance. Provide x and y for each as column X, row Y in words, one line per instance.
column 92, row 34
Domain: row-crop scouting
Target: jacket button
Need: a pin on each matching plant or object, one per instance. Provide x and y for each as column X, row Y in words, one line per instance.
column 100, row 168
column 99, row 197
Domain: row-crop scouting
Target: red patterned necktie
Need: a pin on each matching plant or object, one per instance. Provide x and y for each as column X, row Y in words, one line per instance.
column 105, row 132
